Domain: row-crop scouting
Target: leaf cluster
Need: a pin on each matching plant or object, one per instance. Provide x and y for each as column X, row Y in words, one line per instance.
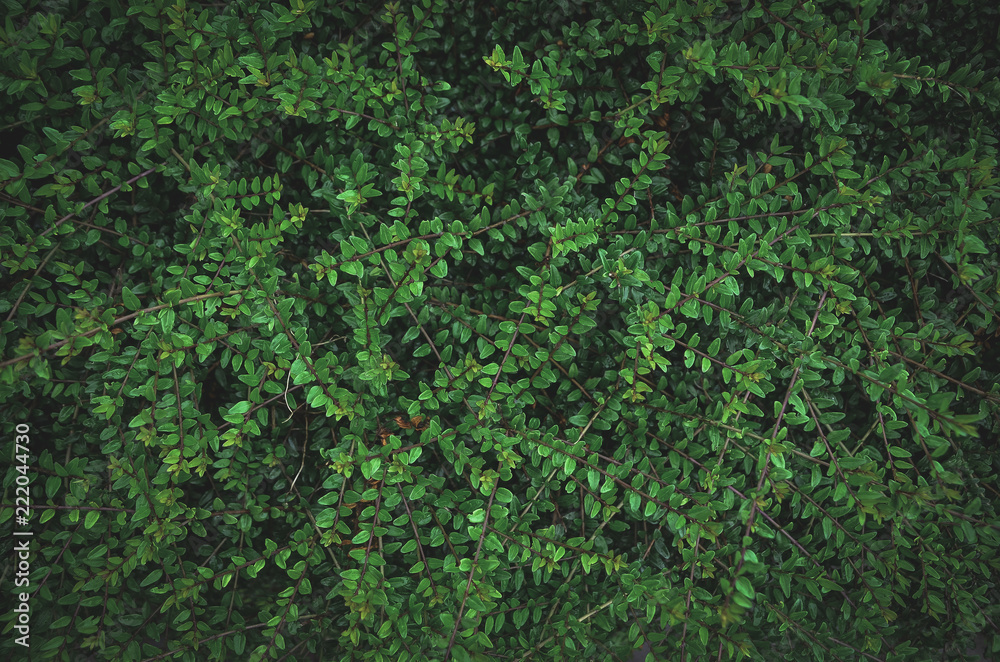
column 513, row 330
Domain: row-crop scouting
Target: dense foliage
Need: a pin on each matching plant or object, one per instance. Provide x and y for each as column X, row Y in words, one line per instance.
column 515, row 331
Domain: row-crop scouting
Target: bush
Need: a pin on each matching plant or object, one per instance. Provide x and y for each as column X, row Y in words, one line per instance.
column 431, row 331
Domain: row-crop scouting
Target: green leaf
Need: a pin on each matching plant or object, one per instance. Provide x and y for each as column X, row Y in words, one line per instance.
column 131, row 301
column 92, row 517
